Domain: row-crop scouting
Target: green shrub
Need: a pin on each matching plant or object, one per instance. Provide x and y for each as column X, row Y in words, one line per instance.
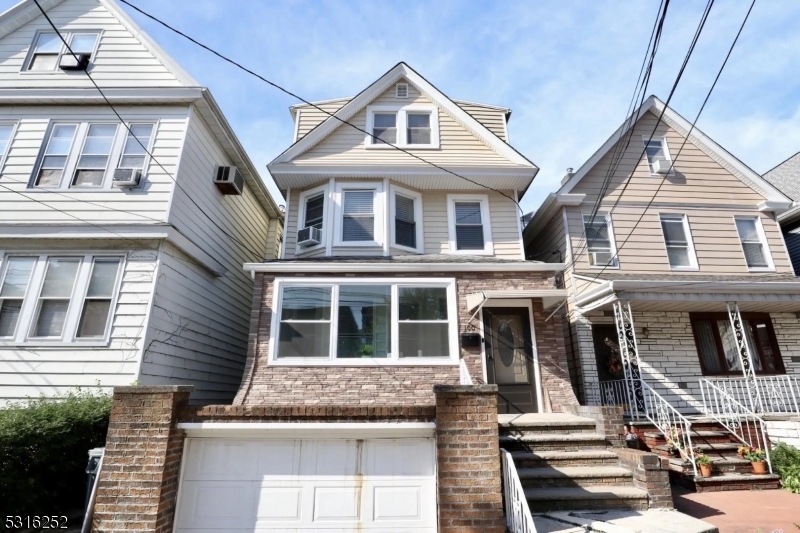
column 43, row 451
column 786, row 462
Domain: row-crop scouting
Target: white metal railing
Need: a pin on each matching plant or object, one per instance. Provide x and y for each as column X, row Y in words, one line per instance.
column 737, row 418
column 614, row 392
column 676, row 428
column 518, row 513
column 778, row 394
column 466, row 378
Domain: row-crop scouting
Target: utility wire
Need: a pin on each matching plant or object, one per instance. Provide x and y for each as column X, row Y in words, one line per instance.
column 127, row 127
column 318, row 108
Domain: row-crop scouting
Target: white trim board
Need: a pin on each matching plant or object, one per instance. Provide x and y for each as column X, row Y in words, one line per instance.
column 341, row 430
column 379, row 267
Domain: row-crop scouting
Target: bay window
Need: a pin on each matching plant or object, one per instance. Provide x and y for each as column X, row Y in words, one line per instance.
column 359, row 209
column 56, row 299
column 365, row 322
column 406, row 217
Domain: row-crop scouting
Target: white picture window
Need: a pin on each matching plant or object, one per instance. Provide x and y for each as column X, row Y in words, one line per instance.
column 47, row 49
column 57, row 299
column 754, row 243
column 88, row 153
column 600, row 240
column 365, row 322
column 656, row 150
column 410, row 126
column 406, row 220
column 359, row 214
column 678, row 240
column 469, row 224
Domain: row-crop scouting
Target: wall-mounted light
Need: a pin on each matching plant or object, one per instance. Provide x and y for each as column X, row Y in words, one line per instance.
column 645, row 332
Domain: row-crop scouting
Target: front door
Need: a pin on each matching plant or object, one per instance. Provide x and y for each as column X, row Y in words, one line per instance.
column 509, row 358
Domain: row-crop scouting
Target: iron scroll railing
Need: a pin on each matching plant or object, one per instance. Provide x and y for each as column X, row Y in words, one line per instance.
column 518, row 513
column 778, row 394
column 674, row 426
column 737, row 418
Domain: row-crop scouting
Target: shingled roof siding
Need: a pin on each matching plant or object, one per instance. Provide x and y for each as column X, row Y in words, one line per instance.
column 786, row 177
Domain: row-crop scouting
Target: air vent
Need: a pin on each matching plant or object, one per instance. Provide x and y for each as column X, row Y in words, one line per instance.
column 309, row 236
column 126, row 177
column 401, row 90
column 74, row 62
column 229, row 180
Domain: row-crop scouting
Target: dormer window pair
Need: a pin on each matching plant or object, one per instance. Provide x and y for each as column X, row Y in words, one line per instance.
column 412, row 126
column 48, row 52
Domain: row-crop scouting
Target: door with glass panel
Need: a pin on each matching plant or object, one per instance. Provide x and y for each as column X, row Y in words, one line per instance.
column 509, row 358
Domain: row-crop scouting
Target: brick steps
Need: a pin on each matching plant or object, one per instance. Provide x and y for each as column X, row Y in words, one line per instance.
column 553, row 442
column 735, row 481
column 559, row 459
column 574, row 476
column 579, row 498
column 720, row 465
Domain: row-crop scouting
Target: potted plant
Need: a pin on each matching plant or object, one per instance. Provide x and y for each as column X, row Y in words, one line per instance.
column 674, row 440
column 704, row 462
column 756, row 458
column 743, row 450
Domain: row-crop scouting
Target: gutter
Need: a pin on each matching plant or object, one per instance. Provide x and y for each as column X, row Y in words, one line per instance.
column 387, row 267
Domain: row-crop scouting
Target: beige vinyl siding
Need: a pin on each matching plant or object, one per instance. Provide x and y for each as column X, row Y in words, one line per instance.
column 309, row 117
column 30, row 372
column 274, row 238
column 698, row 178
column 493, row 119
column 345, row 145
column 147, row 204
column 292, row 212
column 121, row 59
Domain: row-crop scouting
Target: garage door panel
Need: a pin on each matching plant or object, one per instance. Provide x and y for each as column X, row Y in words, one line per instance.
column 280, row 504
column 277, row 458
column 221, row 459
column 217, row 504
column 335, row 457
column 399, row 457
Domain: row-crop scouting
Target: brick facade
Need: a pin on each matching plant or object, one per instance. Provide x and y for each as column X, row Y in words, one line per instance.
column 468, row 460
column 138, row 483
column 407, row 385
column 650, row 473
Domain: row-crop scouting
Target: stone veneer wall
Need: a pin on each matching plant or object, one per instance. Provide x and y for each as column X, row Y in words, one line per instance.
column 413, row 385
column 668, row 355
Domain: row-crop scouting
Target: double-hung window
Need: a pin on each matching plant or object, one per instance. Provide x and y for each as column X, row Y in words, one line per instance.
column 409, row 126
column 365, row 321
column 600, row 240
column 313, row 208
column 48, row 48
column 46, row 299
column 6, row 132
column 407, row 219
column 718, row 349
column 656, row 150
column 469, row 224
column 360, row 209
column 83, row 155
column 751, row 235
column 678, row 240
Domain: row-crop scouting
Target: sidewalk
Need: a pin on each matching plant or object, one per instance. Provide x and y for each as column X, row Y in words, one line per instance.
column 742, row 511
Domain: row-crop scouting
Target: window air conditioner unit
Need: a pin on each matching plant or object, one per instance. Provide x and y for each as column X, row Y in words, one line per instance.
column 126, row 177
column 69, row 61
column 661, row 166
column 309, row 236
column 229, row 180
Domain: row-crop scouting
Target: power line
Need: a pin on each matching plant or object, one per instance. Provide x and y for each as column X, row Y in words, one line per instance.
column 113, row 109
column 318, row 108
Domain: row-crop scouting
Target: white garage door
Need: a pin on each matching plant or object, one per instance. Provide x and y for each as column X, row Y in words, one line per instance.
column 320, row 485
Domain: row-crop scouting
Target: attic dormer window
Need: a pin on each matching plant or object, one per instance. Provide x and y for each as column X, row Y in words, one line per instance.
column 417, row 124
column 48, row 48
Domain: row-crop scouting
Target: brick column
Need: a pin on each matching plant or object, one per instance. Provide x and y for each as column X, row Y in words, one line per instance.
column 650, row 473
column 468, row 459
column 138, row 482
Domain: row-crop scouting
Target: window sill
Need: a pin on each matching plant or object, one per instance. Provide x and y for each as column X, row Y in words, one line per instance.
column 57, row 345
column 408, row 249
column 684, row 269
column 358, row 244
column 607, row 267
column 759, row 269
column 299, row 252
column 471, row 252
column 409, row 361
column 402, row 146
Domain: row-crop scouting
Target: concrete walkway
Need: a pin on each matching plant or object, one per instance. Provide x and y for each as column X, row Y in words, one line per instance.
column 742, row 511
column 652, row 521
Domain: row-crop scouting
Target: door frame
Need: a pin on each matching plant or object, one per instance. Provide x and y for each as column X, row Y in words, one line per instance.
column 537, row 383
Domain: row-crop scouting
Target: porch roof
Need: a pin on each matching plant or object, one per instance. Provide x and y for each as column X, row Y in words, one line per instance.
column 549, row 297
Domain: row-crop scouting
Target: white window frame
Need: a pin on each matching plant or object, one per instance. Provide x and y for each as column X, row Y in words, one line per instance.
column 611, row 240
column 764, row 243
column 488, row 245
column 67, row 37
column 393, row 360
column 78, row 141
column 664, row 146
column 378, row 206
column 25, row 326
column 402, row 122
column 301, row 217
column 4, row 156
column 693, row 265
column 420, row 235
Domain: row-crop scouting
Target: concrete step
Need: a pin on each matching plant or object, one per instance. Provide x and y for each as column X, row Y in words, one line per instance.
column 586, row 498
column 698, row 437
column 736, row 481
column 721, row 465
column 574, row 476
column 544, row 423
column 544, row 442
column 560, row 459
column 719, row 449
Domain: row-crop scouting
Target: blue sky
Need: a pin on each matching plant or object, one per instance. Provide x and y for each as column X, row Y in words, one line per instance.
column 566, row 69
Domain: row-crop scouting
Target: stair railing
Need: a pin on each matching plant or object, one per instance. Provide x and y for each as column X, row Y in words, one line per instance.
column 779, row 393
column 464, row 376
column 737, row 418
column 674, row 426
column 518, row 513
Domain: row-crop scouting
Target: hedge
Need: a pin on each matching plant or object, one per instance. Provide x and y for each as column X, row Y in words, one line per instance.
column 786, row 462
column 43, row 452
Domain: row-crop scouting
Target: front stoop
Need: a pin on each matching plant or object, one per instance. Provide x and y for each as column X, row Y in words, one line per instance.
column 564, row 464
column 730, row 472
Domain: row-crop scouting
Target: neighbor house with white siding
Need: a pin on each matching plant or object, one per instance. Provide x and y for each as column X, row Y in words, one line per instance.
column 120, row 255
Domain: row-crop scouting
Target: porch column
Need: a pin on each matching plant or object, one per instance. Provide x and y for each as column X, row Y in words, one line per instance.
column 629, row 351
column 745, row 357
